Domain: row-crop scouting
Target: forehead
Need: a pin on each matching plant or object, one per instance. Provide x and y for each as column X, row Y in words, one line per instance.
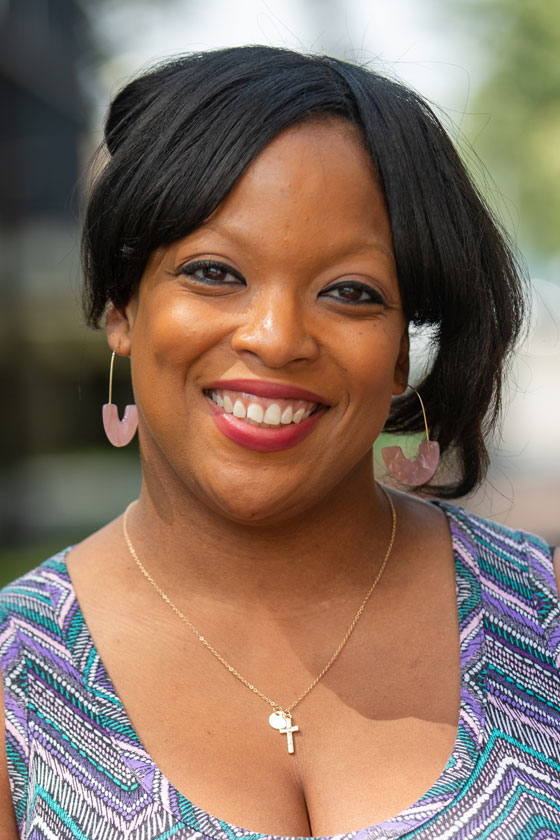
column 327, row 139
column 316, row 179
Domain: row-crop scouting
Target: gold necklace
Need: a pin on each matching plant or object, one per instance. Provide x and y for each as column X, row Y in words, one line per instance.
column 281, row 717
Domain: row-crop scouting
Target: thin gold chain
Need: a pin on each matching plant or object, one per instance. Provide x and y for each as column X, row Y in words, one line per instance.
column 288, row 709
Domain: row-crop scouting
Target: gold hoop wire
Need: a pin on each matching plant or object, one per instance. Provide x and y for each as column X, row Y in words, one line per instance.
column 111, row 377
column 423, row 412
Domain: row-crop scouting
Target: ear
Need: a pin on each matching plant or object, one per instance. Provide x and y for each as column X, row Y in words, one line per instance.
column 119, row 327
column 400, row 378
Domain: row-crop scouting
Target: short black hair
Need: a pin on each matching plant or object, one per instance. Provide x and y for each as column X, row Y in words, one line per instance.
column 181, row 135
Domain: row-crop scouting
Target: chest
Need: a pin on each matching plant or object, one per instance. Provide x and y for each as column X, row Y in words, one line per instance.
column 372, row 737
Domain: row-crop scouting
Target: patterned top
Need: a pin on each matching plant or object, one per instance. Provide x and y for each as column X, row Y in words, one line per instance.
column 78, row 769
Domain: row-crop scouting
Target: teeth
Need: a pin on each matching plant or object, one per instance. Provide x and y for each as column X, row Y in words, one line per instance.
column 287, row 415
column 254, row 412
column 272, row 415
column 262, row 411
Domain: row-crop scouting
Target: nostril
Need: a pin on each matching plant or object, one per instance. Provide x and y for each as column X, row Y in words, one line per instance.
column 275, row 345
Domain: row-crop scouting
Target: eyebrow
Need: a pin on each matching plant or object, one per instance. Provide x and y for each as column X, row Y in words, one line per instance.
column 238, row 238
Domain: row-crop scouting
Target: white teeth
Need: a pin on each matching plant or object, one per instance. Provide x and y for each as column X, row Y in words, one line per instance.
column 272, row 415
column 287, row 415
column 254, row 412
column 261, row 412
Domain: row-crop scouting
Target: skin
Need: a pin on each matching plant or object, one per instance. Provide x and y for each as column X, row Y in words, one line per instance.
column 270, row 554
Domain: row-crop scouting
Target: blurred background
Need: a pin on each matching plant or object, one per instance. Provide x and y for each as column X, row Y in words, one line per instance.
column 491, row 69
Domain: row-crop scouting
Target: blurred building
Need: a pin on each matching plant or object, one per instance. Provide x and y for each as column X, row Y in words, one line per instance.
column 42, row 341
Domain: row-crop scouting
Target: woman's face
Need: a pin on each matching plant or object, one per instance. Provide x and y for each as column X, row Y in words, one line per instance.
column 284, row 302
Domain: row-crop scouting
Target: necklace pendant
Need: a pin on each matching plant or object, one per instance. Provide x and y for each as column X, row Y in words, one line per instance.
column 282, row 722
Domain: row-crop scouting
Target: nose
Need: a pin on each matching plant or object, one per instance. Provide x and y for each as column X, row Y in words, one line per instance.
column 276, row 329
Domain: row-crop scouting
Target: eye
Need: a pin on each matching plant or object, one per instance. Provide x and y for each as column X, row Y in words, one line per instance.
column 211, row 274
column 353, row 292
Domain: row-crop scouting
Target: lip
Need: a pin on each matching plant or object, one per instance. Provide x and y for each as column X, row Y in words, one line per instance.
column 262, row 388
column 265, row 439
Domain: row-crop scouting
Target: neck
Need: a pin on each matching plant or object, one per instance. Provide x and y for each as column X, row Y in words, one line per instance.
column 331, row 550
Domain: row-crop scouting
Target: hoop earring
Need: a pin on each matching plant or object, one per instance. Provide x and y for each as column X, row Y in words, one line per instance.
column 420, row 469
column 119, row 432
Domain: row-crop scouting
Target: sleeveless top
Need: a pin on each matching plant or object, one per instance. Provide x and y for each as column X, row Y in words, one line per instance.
column 78, row 769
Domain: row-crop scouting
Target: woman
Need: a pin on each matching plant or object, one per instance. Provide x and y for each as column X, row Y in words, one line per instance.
column 267, row 631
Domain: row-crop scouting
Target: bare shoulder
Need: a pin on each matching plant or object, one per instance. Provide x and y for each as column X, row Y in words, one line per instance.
column 90, row 561
column 423, row 555
column 421, row 522
column 98, row 544
column 7, row 816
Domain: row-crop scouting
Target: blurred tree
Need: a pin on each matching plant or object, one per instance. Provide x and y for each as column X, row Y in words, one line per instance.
column 514, row 119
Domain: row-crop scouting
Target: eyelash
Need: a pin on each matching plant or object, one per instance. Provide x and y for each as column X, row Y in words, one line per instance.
column 190, row 270
column 373, row 295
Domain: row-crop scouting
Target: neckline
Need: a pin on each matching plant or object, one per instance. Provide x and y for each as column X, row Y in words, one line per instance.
column 438, row 797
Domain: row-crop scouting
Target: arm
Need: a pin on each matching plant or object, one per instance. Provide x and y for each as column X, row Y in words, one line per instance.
column 7, row 816
column 556, row 558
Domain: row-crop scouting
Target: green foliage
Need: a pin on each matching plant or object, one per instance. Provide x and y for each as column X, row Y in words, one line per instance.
column 514, row 120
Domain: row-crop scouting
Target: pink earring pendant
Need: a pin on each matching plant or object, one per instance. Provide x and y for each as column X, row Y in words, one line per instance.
column 119, row 432
column 420, row 469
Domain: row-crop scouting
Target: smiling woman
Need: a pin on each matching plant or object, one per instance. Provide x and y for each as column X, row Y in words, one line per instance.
column 267, row 227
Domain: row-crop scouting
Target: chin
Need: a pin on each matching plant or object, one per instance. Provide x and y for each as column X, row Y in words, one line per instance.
column 257, row 508
column 257, row 512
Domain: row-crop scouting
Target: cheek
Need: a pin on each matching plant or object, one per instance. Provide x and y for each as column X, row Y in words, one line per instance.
column 174, row 333
column 369, row 368
column 372, row 358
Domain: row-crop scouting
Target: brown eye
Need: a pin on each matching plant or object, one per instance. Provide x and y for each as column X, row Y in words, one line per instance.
column 353, row 293
column 210, row 273
column 213, row 273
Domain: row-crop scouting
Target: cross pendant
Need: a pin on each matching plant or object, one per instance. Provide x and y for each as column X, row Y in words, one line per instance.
column 287, row 731
column 282, row 722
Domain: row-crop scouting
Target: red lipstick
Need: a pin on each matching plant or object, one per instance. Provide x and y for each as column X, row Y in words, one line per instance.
column 263, row 439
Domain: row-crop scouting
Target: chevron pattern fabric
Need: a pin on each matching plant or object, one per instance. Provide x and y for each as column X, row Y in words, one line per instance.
column 78, row 769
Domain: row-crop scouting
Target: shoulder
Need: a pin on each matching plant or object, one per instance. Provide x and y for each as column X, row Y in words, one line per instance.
column 37, row 621
column 516, row 547
column 522, row 553
column 37, row 627
column 34, row 613
column 29, row 609
column 36, row 594
column 516, row 573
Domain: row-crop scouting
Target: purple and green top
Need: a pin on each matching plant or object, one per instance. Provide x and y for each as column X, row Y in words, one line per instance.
column 79, row 771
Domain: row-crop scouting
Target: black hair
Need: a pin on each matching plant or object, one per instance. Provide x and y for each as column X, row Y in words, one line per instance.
column 182, row 134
